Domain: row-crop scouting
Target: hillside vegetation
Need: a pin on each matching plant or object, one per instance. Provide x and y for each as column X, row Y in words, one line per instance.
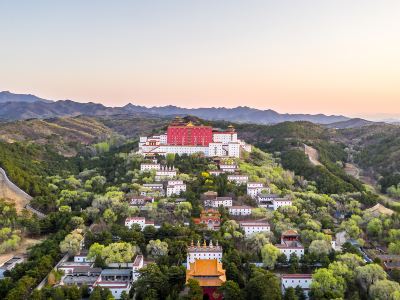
column 376, row 149
column 287, row 141
column 87, row 198
column 64, row 134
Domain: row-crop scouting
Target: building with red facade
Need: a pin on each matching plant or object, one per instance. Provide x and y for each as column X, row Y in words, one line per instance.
column 187, row 138
column 189, row 135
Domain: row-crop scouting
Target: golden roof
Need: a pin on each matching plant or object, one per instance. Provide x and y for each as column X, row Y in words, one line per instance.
column 208, row 272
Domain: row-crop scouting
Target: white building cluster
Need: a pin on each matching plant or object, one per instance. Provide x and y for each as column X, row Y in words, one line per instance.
column 117, row 277
column 223, row 144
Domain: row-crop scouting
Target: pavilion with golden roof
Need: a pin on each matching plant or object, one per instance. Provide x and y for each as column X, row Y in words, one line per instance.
column 210, row 275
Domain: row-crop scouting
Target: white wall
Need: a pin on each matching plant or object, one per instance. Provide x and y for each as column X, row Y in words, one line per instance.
column 254, row 229
column 288, row 251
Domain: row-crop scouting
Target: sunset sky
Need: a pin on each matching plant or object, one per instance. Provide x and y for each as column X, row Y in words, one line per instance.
column 333, row 57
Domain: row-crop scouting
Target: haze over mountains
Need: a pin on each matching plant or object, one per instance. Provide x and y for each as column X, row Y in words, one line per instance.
column 21, row 106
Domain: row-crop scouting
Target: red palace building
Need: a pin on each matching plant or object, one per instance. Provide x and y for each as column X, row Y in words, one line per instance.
column 181, row 134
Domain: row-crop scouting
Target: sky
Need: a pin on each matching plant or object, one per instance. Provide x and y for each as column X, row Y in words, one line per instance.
column 298, row 56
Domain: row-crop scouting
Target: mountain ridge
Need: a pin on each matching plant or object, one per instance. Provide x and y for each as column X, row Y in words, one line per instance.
column 7, row 96
column 31, row 106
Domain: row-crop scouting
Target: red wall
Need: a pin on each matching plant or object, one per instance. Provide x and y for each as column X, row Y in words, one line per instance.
column 212, row 293
column 189, row 135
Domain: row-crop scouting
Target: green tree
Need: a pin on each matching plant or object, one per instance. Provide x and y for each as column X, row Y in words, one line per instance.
column 101, row 294
column 325, row 285
column 351, row 260
column 290, row 294
column 368, row 275
column 72, row 242
column 294, row 262
column 257, row 240
column 157, row 248
column 231, row 229
column 394, row 248
column 230, row 290
column 195, row 291
column 320, row 247
column 384, row 289
column 151, row 281
column 375, row 227
column 118, row 253
column 270, row 254
column 183, row 210
column 263, row 285
column 109, row 216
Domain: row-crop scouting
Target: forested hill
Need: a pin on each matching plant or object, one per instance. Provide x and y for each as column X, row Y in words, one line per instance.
column 375, row 148
column 287, row 141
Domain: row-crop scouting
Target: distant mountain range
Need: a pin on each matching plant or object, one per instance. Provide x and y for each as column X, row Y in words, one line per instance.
column 7, row 96
column 20, row 106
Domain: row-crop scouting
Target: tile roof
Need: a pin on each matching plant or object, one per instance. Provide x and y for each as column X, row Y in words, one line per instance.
column 208, row 272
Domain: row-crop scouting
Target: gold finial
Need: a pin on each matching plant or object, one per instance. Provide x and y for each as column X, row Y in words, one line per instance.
column 204, row 244
column 198, row 243
column 191, row 244
column 190, row 124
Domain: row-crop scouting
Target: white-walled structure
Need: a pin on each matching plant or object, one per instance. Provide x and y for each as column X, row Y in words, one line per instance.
column 225, row 137
column 153, row 187
column 140, row 200
column 242, row 210
column 276, row 203
column 266, row 200
column 175, row 187
column 228, row 168
column 165, row 173
column 82, row 258
column 288, row 248
column 116, row 287
column 144, row 167
column 290, row 243
column 250, row 226
column 238, row 179
column 187, row 138
column 138, row 263
column 293, row 280
column 254, row 189
column 203, row 252
column 218, row 201
column 216, row 172
column 141, row 221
